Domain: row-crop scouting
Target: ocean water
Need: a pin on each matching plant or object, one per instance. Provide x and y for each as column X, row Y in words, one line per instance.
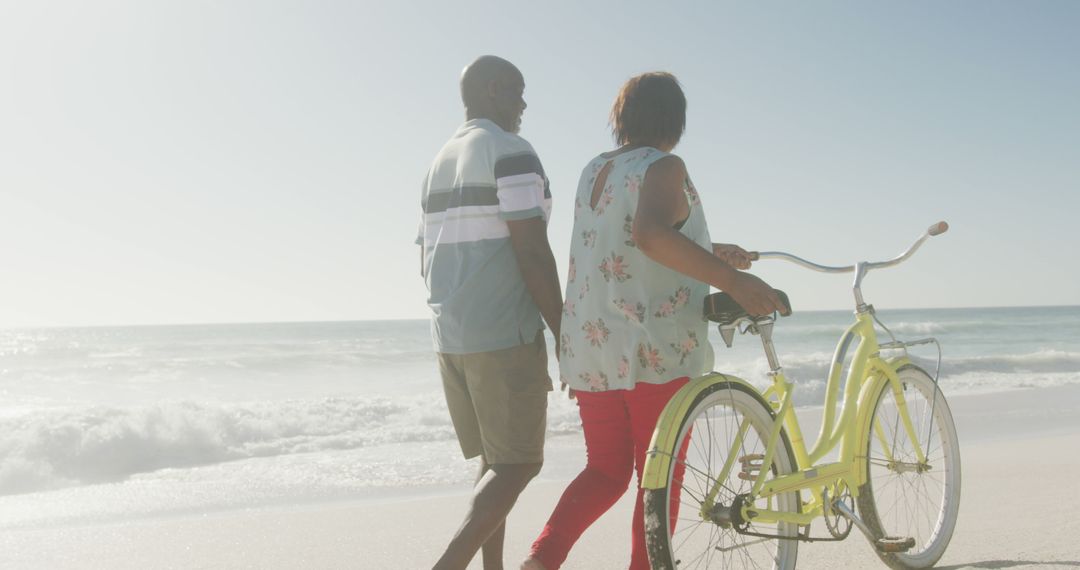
column 102, row 424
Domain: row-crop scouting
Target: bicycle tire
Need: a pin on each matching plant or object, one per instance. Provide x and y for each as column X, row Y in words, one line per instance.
column 899, row 499
column 688, row 547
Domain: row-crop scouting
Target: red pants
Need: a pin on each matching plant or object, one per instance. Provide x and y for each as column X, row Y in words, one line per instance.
column 618, row 426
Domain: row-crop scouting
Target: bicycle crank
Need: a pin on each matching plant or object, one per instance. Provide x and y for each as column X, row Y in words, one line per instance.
column 883, row 544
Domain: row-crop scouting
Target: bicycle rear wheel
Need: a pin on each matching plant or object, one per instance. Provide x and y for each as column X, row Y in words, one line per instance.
column 903, row 497
column 708, row 439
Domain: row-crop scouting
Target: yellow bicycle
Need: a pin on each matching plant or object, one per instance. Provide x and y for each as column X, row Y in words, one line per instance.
column 729, row 480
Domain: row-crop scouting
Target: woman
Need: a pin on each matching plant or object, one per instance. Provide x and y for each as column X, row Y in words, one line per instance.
column 632, row 328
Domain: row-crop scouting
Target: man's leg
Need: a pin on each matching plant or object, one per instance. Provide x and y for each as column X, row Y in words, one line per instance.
column 493, row 497
column 506, row 392
column 493, row 546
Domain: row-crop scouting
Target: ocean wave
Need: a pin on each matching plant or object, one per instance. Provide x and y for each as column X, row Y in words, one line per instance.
column 924, row 327
column 1043, row 368
column 816, row 365
column 836, row 329
column 901, row 327
column 51, row 448
column 46, row 450
column 983, row 382
column 799, row 367
column 1043, row 361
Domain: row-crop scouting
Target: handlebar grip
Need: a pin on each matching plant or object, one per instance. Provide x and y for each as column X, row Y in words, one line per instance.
column 938, row 229
column 754, row 256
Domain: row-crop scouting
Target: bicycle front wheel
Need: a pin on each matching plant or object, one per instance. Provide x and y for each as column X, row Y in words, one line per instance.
column 904, row 497
column 728, row 424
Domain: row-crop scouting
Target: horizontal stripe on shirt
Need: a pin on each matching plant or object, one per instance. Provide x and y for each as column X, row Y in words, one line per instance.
column 474, row 195
column 471, row 223
column 518, row 164
column 520, row 192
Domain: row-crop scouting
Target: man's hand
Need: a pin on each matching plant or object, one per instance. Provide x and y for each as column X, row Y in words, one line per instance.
column 563, row 386
column 755, row 295
column 733, row 255
column 528, row 238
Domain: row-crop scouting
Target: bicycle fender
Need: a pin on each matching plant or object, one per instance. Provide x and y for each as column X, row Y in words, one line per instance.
column 867, row 402
column 662, row 446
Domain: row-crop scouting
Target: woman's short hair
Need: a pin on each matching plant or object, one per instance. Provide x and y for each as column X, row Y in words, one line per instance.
column 650, row 107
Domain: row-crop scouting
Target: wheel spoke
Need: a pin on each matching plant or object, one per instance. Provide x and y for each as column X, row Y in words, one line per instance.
column 908, row 498
column 724, row 423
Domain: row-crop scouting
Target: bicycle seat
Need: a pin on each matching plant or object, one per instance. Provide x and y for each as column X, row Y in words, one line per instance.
column 721, row 308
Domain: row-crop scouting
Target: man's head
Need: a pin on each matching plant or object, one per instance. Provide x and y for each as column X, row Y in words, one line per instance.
column 492, row 88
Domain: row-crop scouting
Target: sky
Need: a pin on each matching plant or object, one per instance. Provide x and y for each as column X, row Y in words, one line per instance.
column 197, row 161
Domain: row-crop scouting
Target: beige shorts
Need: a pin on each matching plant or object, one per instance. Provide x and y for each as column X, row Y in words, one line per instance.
column 498, row 401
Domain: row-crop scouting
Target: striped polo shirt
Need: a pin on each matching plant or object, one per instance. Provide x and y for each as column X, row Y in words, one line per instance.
column 482, row 178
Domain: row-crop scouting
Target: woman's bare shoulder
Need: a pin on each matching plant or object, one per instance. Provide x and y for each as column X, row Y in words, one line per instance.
column 670, row 166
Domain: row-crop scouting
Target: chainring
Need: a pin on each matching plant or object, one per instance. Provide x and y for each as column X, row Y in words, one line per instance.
column 839, row 526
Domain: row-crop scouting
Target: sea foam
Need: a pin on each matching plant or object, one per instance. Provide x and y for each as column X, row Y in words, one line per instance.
column 58, row 448
column 55, row 448
column 315, row 409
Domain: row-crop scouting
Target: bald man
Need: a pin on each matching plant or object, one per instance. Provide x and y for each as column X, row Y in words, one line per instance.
column 492, row 282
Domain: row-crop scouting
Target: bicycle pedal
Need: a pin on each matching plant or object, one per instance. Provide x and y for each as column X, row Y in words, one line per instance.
column 751, row 466
column 895, row 544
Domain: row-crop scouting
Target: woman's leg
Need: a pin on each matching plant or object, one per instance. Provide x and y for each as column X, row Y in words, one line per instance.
column 610, row 463
column 646, row 402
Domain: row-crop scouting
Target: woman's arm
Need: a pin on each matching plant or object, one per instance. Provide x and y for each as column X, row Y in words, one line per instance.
column 661, row 205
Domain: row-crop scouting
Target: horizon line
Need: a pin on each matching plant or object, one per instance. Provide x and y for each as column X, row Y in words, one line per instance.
column 406, row 319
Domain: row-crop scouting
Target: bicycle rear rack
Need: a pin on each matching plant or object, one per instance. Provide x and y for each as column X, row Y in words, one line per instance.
column 904, row 344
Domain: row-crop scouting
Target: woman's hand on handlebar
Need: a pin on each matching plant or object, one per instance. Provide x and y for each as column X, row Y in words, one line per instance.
column 755, row 295
column 733, row 255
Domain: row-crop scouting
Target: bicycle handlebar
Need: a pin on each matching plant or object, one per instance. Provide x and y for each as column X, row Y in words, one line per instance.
column 934, row 230
column 800, row 261
column 938, row 228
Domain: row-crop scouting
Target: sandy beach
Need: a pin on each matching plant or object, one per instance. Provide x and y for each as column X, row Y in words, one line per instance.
column 1017, row 509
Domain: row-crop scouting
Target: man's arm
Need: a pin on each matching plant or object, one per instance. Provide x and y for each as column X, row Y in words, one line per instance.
column 420, row 236
column 528, row 238
column 523, row 197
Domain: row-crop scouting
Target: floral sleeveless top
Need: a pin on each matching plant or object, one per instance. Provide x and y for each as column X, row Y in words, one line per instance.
column 627, row 318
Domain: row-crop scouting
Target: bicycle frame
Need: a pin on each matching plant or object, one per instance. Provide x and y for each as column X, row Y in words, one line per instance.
column 848, row 432
column 867, row 375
